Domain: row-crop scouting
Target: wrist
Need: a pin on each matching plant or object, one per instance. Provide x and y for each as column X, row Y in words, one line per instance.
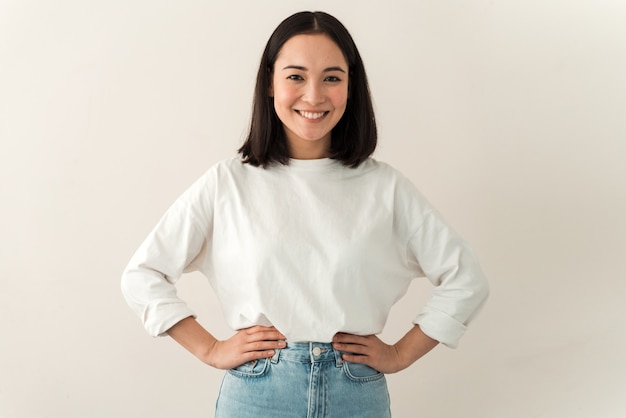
column 209, row 356
column 413, row 346
column 404, row 356
column 195, row 339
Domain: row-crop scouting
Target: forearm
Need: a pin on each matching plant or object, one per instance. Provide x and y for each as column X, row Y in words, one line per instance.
column 413, row 346
column 193, row 337
column 247, row 344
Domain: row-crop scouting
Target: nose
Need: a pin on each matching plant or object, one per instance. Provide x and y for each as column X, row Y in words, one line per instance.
column 314, row 93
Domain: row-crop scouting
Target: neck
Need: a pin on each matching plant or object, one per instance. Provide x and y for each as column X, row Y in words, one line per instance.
column 309, row 150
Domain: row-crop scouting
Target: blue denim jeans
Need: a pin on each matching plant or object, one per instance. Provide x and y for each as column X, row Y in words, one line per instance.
column 304, row 380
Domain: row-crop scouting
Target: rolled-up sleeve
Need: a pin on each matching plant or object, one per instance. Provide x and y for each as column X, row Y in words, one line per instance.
column 461, row 288
column 148, row 281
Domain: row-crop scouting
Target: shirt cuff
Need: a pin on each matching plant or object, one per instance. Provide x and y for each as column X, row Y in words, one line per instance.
column 441, row 327
column 160, row 316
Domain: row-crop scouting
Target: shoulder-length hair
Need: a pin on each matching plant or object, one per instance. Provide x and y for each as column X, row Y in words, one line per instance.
column 354, row 137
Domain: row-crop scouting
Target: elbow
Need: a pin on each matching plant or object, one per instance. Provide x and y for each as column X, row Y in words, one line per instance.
column 483, row 290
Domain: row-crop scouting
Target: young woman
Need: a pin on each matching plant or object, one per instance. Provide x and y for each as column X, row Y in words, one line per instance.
column 307, row 242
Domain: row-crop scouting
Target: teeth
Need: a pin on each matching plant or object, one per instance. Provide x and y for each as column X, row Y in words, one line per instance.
column 312, row 115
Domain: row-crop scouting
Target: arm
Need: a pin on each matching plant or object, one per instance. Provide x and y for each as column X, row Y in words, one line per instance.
column 370, row 350
column 177, row 244
column 246, row 345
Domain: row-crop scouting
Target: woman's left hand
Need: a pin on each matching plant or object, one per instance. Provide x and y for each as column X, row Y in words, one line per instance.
column 369, row 350
column 385, row 358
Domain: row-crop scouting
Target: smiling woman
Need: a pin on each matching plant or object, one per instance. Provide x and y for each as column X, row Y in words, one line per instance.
column 310, row 90
column 308, row 243
column 354, row 135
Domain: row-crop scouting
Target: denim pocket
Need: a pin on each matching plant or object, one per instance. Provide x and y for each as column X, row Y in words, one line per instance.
column 361, row 372
column 254, row 368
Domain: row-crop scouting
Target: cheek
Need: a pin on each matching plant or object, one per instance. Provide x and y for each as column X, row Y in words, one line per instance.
column 282, row 104
column 283, row 95
column 339, row 97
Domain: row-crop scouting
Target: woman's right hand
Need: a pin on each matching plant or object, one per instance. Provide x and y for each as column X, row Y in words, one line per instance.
column 246, row 345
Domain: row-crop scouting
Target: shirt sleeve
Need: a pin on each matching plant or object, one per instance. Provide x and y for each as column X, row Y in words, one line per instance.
column 461, row 288
column 148, row 281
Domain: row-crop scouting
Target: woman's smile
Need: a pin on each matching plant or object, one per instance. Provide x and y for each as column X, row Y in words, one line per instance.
column 311, row 115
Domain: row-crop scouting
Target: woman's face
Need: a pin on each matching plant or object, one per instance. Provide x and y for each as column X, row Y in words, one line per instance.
column 310, row 90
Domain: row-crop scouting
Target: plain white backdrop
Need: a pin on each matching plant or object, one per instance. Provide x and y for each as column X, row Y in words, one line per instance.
column 508, row 115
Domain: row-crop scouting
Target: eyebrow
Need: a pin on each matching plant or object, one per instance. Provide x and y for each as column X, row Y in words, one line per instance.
column 301, row 68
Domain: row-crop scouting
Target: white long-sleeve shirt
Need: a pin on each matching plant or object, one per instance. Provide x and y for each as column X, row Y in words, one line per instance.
column 312, row 248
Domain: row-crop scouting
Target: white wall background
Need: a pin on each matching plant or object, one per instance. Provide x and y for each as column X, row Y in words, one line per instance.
column 509, row 115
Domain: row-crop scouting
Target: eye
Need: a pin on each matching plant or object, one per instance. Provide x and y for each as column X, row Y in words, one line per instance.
column 332, row 79
column 295, row 77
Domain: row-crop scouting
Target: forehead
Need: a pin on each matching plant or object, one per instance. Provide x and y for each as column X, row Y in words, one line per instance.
column 311, row 50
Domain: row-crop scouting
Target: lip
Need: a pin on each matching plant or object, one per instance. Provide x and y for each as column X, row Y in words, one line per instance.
column 313, row 115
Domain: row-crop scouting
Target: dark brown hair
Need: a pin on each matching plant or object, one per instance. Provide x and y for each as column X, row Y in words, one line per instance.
column 354, row 137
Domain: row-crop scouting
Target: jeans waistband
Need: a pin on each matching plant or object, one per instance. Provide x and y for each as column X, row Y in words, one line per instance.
column 308, row 352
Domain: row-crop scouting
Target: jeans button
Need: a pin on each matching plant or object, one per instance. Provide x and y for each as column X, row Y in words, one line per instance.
column 317, row 351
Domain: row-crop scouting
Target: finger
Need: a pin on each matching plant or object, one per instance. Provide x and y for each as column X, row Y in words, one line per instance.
column 353, row 340
column 352, row 348
column 272, row 334
column 265, row 333
column 256, row 355
column 352, row 358
column 265, row 336
column 263, row 345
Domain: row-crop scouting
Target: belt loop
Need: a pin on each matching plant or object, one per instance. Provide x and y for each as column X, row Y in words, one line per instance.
column 338, row 359
column 274, row 358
